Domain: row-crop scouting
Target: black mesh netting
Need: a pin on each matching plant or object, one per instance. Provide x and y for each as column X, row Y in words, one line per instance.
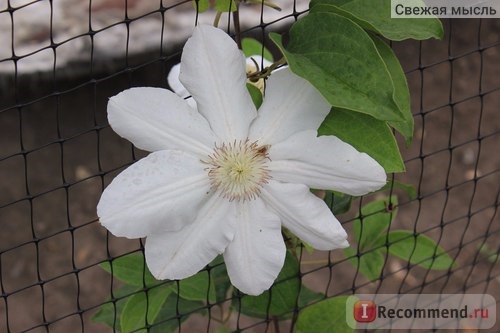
column 61, row 60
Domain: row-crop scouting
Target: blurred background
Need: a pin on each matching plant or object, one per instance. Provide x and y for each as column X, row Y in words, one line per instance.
column 60, row 61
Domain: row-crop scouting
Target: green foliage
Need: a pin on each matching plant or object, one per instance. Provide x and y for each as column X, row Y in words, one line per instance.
column 218, row 274
column 225, row 5
column 490, row 254
column 335, row 48
column 339, row 203
column 360, row 77
column 401, row 93
column 408, row 188
column 174, row 312
column 199, row 287
column 110, row 312
column 362, row 131
column 418, row 250
column 370, row 264
column 201, row 5
column 374, row 240
column 128, row 312
column 161, row 307
column 160, row 303
column 307, row 296
column 252, row 47
column 131, row 269
column 324, row 317
column 255, row 94
column 281, row 300
column 220, row 5
column 142, row 308
column 374, row 221
column 374, row 15
column 340, row 59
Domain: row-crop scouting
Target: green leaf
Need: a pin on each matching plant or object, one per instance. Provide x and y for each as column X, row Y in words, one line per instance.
column 339, row 58
column 280, row 301
column 339, row 203
column 419, row 250
column 218, row 274
column 198, row 287
column 307, row 296
column 490, row 254
column 109, row 313
column 408, row 188
column 225, row 5
column 202, row 5
column 370, row 264
column 133, row 317
column 252, row 47
column 223, row 329
column 131, row 269
column 256, row 95
column 174, row 312
column 324, row 317
column 375, row 219
column 367, row 135
column 375, row 15
column 401, row 91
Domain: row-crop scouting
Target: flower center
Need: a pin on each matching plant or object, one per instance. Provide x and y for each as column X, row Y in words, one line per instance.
column 238, row 169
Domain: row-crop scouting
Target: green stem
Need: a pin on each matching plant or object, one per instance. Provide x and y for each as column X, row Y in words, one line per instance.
column 217, row 19
column 265, row 72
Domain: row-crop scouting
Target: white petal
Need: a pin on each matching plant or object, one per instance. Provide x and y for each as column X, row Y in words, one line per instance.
column 306, row 215
column 163, row 191
column 213, row 71
column 291, row 105
column 174, row 83
column 157, row 119
column 256, row 255
column 180, row 254
column 325, row 162
column 178, row 87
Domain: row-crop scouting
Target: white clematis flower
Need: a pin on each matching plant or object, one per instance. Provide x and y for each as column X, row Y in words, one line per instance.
column 224, row 178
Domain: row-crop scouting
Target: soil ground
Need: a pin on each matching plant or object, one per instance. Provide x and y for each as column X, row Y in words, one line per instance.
column 57, row 154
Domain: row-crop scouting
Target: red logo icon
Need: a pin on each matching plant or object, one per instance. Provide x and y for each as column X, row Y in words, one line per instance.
column 365, row 311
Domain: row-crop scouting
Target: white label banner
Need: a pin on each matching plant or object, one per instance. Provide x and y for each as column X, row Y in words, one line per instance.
column 445, row 8
column 421, row 311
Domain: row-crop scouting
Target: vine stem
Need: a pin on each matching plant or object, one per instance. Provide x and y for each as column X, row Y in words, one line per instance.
column 217, row 19
column 236, row 23
column 265, row 72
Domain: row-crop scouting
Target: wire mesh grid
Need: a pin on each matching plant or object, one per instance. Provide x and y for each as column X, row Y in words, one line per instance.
column 58, row 153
